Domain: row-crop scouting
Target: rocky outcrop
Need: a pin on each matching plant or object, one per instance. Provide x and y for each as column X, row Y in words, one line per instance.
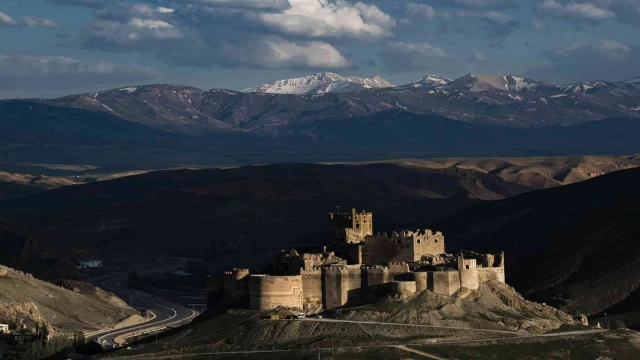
column 493, row 305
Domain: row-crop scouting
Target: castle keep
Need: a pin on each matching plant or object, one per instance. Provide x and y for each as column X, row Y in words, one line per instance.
column 358, row 267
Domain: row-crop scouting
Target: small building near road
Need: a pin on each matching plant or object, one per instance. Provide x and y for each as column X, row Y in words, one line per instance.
column 89, row 264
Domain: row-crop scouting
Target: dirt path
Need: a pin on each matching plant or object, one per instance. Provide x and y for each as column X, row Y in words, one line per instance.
column 415, row 351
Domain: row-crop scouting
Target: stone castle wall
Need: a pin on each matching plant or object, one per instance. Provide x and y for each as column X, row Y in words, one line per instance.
column 403, row 289
column 443, row 282
column 351, row 227
column 329, row 280
column 427, row 243
column 336, row 286
column 487, row 274
column 312, row 289
column 407, row 246
column 468, row 273
column 269, row 292
column 235, row 285
column 421, row 281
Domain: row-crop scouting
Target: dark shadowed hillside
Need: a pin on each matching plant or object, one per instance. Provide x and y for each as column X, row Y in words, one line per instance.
column 135, row 133
column 29, row 250
column 575, row 246
column 219, row 213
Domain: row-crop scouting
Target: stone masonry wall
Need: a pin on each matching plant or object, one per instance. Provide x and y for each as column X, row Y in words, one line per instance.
column 421, row 281
column 486, row 274
column 428, row 243
column 269, row 292
column 336, row 286
column 468, row 273
column 378, row 249
column 235, row 286
column 311, row 289
column 444, row 282
column 403, row 289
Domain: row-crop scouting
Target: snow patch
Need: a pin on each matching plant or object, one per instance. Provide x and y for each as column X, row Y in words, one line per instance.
column 129, row 90
column 558, row 96
column 400, row 106
column 108, row 108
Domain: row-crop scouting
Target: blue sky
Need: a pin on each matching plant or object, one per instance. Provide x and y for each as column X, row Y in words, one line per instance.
column 58, row 47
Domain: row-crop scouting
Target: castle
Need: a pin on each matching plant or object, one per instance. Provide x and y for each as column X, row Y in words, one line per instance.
column 358, row 267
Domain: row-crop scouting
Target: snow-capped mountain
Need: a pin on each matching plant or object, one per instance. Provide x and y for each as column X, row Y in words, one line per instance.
column 482, row 82
column 321, row 83
column 430, row 81
column 588, row 87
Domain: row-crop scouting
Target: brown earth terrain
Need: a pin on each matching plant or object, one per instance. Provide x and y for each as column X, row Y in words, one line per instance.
column 28, row 303
column 573, row 246
column 492, row 312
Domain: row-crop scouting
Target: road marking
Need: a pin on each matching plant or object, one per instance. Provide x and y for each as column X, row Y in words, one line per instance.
column 153, row 316
column 415, row 351
column 175, row 313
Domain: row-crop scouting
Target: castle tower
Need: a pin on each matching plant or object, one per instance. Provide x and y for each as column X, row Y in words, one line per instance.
column 235, row 285
column 468, row 270
column 350, row 227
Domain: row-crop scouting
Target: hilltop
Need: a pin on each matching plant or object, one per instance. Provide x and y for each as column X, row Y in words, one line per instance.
column 28, row 302
column 493, row 311
column 573, row 246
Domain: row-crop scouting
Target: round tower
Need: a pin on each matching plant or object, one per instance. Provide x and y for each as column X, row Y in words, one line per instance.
column 468, row 273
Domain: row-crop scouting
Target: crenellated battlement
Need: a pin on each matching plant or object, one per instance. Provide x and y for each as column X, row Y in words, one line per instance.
column 359, row 267
column 335, row 269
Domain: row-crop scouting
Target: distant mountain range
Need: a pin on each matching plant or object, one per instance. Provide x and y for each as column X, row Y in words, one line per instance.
column 322, row 83
column 274, row 110
column 465, row 116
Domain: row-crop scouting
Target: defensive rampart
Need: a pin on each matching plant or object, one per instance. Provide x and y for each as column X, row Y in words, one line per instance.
column 269, row 292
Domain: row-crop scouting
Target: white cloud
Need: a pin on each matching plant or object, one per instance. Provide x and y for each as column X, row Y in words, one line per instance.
column 404, row 56
column 309, row 54
column 324, row 18
column 602, row 60
column 575, row 10
column 134, row 31
column 495, row 17
column 7, row 20
column 26, row 21
column 165, row 10
column 478, row 56
column 424, row 10
column 243, row 4
column 50, row 72
column 477, row 4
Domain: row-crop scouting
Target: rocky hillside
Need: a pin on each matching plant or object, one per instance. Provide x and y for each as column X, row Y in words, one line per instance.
column 573, row 246
column 261, row 209
column 485, row 99
column 19, row 185
column 494, row 307
column 30, row 250
column 26, row 302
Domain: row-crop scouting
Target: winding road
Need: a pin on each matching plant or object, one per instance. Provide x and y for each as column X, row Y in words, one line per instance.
column 165, row 314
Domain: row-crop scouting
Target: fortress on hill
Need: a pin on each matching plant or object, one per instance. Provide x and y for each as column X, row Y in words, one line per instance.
column 356, row 267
